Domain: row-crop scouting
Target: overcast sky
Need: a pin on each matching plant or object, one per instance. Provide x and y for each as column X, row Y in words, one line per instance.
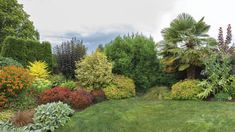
column 99, row 21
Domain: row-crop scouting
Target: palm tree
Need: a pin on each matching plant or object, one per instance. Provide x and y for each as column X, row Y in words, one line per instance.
column 184, row 42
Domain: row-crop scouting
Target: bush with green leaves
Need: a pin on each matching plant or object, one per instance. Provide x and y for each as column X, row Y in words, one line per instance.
column 57, row 79
column 222, row 96
column 217, row 70
column 135, row 56
column 94, row 71
column 121, row 87
column 4, row 61
column 25, row 100
column 50, row 116
column 40, row 84
column 157, row 93
column 186, row 90
column 69, row 84
column 25, row 50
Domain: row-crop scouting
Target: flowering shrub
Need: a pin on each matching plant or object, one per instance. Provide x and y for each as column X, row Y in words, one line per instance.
column 54, row 95
column 40, row 84
column 13, row 80
column 80, row 99
column 38, row 69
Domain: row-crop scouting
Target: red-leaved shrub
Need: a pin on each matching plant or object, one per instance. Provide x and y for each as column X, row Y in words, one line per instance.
column 54, row 95
column 80, row 99
column 98, row 95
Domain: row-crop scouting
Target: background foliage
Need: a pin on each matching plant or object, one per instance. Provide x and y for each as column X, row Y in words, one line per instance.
column 15, row 21
column 25, row 51
column 67, row 54
column 135, row 56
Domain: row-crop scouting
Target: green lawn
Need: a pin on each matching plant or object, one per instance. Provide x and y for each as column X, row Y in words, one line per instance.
column 137, row 115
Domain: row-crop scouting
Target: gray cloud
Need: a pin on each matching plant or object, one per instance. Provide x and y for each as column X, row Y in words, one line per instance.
column 91, row 40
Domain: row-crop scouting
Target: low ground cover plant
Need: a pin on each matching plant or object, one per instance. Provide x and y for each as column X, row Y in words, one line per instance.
column 157, row 93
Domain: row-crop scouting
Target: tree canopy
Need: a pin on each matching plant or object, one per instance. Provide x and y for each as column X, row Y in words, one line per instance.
column 14, row 21
column 135, row 56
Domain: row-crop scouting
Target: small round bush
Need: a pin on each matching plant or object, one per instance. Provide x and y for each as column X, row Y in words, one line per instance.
column 13, row 80
column 80, row 99
column 55, row 94
column 157, row 93
column 57, row 80
column 187, row 89
column 51, row 116
column 94, row 71
column 40, row 84
column 5, row 61
column 121, row 87
column 69, row 84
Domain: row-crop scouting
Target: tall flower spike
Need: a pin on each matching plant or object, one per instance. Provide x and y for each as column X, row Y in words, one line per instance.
column 229, row 35
column 221, row 38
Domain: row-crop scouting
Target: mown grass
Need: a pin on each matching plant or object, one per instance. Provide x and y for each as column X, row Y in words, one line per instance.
column 138, row 115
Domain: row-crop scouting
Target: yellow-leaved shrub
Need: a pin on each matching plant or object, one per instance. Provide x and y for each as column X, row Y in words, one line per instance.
column 121, row 87
column 39, row 69
column 94, row 71
column 187, row 89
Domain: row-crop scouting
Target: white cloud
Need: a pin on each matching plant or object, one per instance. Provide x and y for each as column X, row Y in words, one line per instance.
column 57, row 17
column 87, row 16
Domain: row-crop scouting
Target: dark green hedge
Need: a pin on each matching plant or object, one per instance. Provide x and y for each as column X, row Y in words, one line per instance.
column 25, row 51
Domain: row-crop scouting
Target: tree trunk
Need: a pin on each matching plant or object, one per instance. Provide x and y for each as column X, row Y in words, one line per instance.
column 191, row 72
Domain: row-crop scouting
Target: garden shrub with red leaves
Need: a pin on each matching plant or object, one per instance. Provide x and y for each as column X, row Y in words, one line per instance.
column 80, row 99
column 98, row 95
column 54, row 95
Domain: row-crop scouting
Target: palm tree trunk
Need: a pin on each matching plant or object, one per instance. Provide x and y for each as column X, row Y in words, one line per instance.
column 191, row 72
